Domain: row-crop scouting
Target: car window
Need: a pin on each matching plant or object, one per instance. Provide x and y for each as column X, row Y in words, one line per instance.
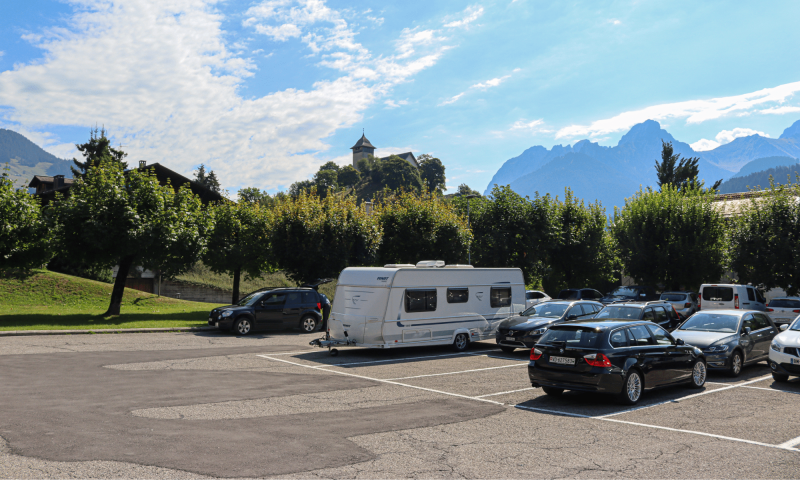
column 420, row 300
column 533, row 295
column 546, row 310
column 661, row 335
column 618, row 339
column 673, row 297
column 457, row 295
column 751, row 294
column 588, row 311
column 760, row 297
column 748, row 322
column 648, row 315
column 309, row 298
column 760, row 321
column 711, row 322
column 671, row 313
column 661, row 315
column 613, row 311
column 640, row 335
column 718, row 294
column 275, row 299
column 293, row 299
column 500, row 297
column 568, row 295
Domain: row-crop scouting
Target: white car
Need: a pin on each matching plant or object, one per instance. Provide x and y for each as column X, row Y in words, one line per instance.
column 783, row 309
column 730, row 296
column 784, row 352
column 534, row 297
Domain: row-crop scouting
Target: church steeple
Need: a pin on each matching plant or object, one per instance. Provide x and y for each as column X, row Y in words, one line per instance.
column 362, row 149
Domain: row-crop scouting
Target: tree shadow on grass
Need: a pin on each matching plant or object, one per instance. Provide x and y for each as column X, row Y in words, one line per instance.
column 85, row 320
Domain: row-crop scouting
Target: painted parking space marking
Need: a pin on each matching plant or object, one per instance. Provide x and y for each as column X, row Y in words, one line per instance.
column 503, row 393
column 456, row 373
column 771, row 389
column 791, row 443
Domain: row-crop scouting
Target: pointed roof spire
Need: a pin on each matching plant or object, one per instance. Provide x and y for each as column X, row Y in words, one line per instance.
column 362, row 142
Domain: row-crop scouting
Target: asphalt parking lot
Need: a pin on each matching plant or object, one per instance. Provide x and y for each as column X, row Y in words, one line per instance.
column 199, row 405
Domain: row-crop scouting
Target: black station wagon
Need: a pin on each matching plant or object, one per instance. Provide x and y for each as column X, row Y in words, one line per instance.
column 613, row 356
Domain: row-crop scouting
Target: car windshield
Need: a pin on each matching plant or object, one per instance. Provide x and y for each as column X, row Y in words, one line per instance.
column 712, row 322
column 625, row 292
column 784, row 303
column 568, row 294
column 581, row 337
column 549, row 310
column 673, row 297
column 250, row 299
column 619, row 312
column 796, row 324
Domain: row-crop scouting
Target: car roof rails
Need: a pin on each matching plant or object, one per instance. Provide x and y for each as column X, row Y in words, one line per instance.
column 316, row 283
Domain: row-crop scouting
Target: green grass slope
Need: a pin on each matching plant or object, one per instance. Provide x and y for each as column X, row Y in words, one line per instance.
column 47, row 300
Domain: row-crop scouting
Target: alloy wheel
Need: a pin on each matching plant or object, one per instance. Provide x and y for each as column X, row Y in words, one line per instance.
column 736, row 364
column 634, row 387
column 461, row 341
column 699, row 373
column 243, row 327
column 309, row 324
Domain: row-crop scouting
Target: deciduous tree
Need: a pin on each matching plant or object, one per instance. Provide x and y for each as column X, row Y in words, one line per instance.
column 348, row 176
column 25, row 239
column 399, row 174
column 431, row 170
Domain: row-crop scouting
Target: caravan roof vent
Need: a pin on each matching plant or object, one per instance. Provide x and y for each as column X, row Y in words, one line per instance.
column 457, row 266
column 430, row 264
column 398, row 265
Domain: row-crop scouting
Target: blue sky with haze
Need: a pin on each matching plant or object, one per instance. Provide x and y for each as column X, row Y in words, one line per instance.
column 263, row 92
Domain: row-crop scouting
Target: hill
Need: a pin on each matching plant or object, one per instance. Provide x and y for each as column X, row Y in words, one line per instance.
column 781, row 175
column 761, row 164
column 26, row 159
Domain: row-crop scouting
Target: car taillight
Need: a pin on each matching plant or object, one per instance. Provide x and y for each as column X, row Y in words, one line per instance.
column 796, row 311
column 699, row 299
column 319, row 306
column 770, row 310
column 687, row 305
column 597, row 360
column 536, row 354
column 736, row 301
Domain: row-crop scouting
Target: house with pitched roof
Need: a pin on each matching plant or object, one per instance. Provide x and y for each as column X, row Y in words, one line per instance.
column 363, row 149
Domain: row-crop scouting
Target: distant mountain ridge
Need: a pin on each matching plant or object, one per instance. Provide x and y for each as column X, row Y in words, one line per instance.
column 783, row 174
column 25, row 159
column 614, row 173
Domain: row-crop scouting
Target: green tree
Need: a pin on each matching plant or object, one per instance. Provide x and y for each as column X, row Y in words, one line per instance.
column 330, row 166
column 98, row 149
column 765, row 239
column 370, row 168
column 399, row 174
column 208, row 180
column 25, row 240
column 464, row 190
column 431, row 170
column 303, row 186
column 128, row 219
column 420, row 227
column 582, row 254
column 316, row 238
column 326, row 180
column 348, row 176
column 675, row 238
column 674, row 170
column 238, row 241
column 254, row 196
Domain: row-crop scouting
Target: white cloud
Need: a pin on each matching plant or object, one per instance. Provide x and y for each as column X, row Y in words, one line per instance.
column 452, row 99
column 535, row 125
column 470, row 14
column 480, row 86
column 615, row 22
column 723, row 137
column 703, row 145
column 280, row 33
column 392, row 104
column 694, row 111
column 780, row 110
column 168, row 89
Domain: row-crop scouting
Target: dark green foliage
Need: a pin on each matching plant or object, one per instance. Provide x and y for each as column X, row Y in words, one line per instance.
column 238, row 241
column 303, row 186
column 399, row 174
column 765, row 239
column 348, row 176
column 25, row 240
column 326, row 180
column 780, row 175
column 208, row 180
column 330, row 166
column 254, row 196
column 675, row 238
column 111, row 218
column 370, row 169
column 582, row 254
column 98, row 149
column 674, row 170
column 464, row 190
column 421, row 227
column 316, row 238
column 62, row 263
column 431, row 172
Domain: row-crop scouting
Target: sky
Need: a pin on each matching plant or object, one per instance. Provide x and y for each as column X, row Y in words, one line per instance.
column 264, row 92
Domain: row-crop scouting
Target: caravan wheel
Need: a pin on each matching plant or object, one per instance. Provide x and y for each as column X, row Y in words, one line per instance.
column 461, row 342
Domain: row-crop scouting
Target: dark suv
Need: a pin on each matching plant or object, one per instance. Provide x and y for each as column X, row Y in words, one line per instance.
column 630, row 292
column 273, row 309
column 660, row 312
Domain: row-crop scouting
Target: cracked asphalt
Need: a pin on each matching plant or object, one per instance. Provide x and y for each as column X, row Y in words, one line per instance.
column 211, row 405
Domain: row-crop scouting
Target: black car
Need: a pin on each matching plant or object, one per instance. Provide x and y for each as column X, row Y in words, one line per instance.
column 630, row 292
column 524, row 330
column 613, row 356
column 272, row 309
column 660, row 312
column 730, row 339
column 579, row 294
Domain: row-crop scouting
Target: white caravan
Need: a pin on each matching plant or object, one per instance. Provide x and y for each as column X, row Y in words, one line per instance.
column 427, row 304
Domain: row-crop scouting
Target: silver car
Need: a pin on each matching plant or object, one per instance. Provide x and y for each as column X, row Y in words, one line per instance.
column 685, row 303
column 783, row 310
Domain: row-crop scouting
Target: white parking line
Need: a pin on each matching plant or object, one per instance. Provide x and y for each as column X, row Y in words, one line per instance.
column 455, row 373
column 772, row 390
column 791, row 443
column 557, row 412
column 737, row 385
column 395, row 359
column 381, row 380
column 503, row 393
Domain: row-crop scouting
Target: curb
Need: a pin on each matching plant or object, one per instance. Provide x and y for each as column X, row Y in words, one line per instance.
column 21, row 333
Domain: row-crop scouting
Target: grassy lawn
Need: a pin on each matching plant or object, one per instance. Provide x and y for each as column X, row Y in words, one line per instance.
column 47, row 300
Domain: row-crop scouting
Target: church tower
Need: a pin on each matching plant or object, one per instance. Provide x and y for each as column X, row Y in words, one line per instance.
column 362, row 149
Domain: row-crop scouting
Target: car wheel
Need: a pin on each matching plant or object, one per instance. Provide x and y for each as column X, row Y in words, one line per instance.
column 735, row 367
column 632, row 388
column 553, row 391
column 507, row 349
column 699, row 373
column 243, row 326
column 780, row 378
column 461, row 342
column 308, row 324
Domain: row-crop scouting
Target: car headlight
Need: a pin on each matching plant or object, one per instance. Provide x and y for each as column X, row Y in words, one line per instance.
column 775, row 346
column 717, row 348
column 539, row 331
column 227, row 313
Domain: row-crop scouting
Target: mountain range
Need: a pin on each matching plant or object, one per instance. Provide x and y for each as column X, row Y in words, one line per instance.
column 610, row 174
column 24, row 159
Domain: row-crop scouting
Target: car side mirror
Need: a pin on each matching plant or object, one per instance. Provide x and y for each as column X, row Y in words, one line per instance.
column 679, row 341
column 262, row 303
column 642, row 295
column 746, row 331
column 572, row 317
column 784, row 327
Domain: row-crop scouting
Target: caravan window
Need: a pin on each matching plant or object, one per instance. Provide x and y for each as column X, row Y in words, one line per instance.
column 500, row 297
column 420, row 300
column 457, row 295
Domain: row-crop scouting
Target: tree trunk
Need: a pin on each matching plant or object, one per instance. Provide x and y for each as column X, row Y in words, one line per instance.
column 125, row 264
column 236, row 276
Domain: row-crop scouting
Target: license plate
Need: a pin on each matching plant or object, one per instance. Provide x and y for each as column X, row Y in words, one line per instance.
column 562, row 360
column 510, row 339
column 796, row 361
column 216, row 324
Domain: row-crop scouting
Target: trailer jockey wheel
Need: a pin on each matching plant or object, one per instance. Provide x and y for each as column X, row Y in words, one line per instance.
column 334, row 352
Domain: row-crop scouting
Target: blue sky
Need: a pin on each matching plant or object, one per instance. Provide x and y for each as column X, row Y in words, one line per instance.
column 263, row 92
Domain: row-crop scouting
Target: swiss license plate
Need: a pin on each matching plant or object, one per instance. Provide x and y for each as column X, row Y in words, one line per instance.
column 562, row 360
column 216, row 324
column 796, row 361
column 510, row 339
